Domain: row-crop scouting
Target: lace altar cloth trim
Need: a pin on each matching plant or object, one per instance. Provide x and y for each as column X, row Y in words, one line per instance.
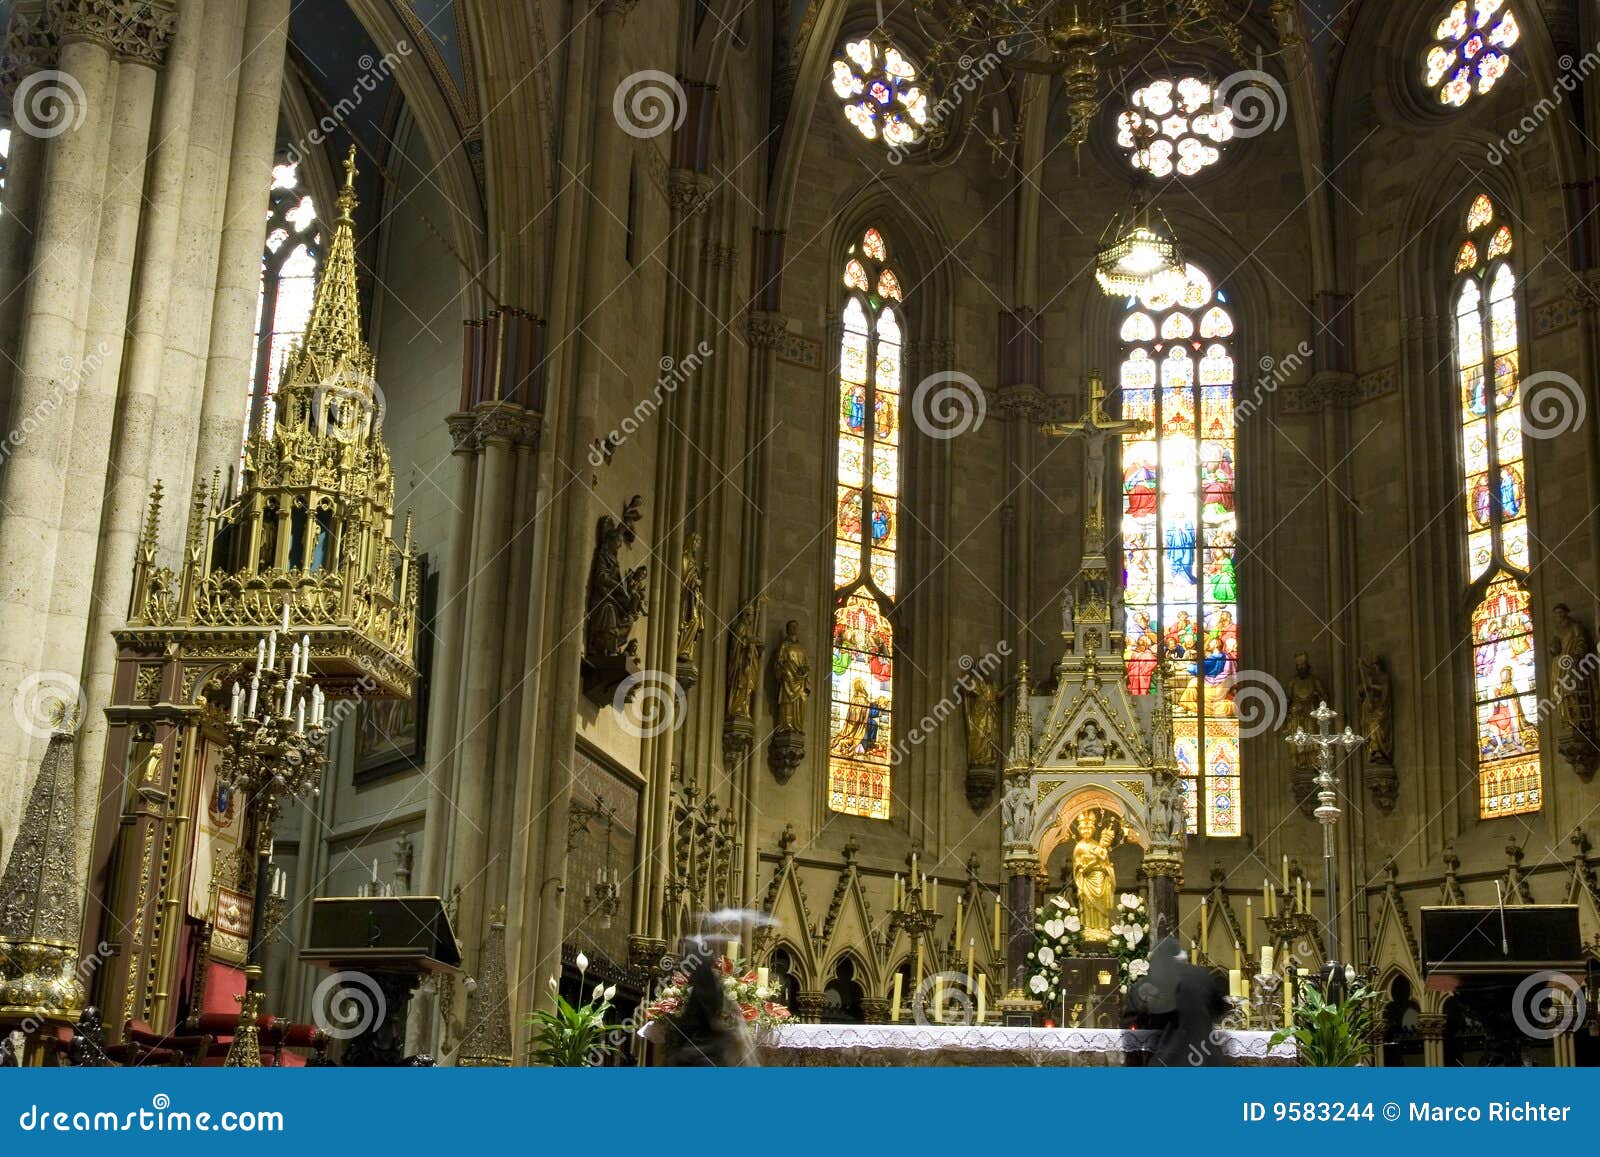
column 1030, row 1045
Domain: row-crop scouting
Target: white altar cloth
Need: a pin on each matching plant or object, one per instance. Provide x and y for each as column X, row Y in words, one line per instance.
column 912, row 1044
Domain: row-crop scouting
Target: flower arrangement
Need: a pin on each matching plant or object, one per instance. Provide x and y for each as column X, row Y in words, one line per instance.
column 748, row 1000
column 573, row 1035
column 1058, row 934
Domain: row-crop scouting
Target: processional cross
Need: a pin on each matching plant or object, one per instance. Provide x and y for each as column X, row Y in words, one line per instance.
column 1094, row 428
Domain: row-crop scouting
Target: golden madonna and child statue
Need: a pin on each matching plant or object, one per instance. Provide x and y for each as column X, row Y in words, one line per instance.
column 1098, row 832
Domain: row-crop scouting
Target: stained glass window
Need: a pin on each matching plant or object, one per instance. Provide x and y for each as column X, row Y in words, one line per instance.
column 1174, row 125
column 1489, row 383
column 1179, row 529
column 1470, row 50
column 866, row 533
column 288, row 284
column 877, row 84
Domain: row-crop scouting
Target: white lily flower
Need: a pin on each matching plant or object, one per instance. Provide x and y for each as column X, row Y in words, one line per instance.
column 611, row 991
column 583, row 964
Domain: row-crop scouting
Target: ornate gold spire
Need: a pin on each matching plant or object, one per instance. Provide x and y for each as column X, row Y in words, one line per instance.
column 312, row 522
column 39, row 912
column 332, row 349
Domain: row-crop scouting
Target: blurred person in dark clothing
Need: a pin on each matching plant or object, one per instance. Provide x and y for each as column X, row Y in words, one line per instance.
column 706, row 1034
column 1182, row 1003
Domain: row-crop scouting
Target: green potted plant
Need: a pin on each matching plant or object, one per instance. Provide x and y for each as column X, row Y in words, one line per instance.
column 1333, row 1033
column 574, row 1036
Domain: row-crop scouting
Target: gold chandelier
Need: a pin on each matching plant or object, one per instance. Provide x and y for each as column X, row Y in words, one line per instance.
column 1093, row 45
column 1138, row 252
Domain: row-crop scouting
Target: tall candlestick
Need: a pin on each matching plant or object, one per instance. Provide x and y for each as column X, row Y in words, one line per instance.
column 997, row 923
column 1204, row 931
column 899, row 983
column 959, row 922
column 938, row 997
column 1266, row 897
column 1238, row 957
column 933, row 893
column 1287, row 882
column 972, row 950
column 1288, row 1000
column 915, row 883
column 983, row 996
column 1249, row 926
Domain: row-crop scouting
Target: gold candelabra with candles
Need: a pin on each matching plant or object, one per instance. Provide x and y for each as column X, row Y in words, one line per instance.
column 277, row 749
column 917, row 922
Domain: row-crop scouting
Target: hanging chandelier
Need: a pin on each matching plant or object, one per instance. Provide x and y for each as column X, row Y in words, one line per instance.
column 1138, row 253
column 1095, row 46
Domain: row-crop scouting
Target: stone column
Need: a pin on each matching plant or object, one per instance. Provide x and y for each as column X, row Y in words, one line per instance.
column 808, row 1007
column 33, row 475
column 1163, row 873
column 1022, row 869
column 128, row 481
column 194, row 275
column 233, row 315
column 1431, row 1025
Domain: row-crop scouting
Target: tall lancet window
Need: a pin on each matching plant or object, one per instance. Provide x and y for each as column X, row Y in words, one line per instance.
column 1179, row 530
column 1489, row 381
column 866, row 533
column 289, row 266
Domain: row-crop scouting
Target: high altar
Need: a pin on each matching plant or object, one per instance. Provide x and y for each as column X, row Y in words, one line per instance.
column 1091, row 766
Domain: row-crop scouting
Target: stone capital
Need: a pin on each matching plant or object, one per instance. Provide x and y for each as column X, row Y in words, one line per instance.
column 765, row 329
column 688, row 192
column 136, row 30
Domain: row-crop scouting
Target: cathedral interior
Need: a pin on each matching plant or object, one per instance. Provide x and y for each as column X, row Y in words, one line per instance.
column 847, row 476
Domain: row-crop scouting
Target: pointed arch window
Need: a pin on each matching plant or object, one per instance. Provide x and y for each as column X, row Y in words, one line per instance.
column 289, row 265
column 1179, row 530
column 1494, row 476
column 866, row 532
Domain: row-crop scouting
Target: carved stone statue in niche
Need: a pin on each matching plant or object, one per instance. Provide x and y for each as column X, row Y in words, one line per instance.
column 1573, row 648
column 1306, row 694
column 691, row 611
column 1169, row 820
column 615, row 603
column 791, row 672
column 1016, row 813
column 1377, row 728
column 1091, row 741
column 744, row 676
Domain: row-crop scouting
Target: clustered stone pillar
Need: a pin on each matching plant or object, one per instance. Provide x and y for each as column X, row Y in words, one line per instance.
column 1022, row 869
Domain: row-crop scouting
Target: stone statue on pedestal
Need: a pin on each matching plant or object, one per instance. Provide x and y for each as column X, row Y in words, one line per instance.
column 691, row 610
column 1306, row 694
column 1016, row 811
column 1377, row 728
column 791, row 669
column 615, row 602
column 1573, row 648
column 980, row 704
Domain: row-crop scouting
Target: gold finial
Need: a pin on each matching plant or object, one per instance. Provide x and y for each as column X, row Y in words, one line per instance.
column 347, row 195
column 333, row 350
column 152, row 522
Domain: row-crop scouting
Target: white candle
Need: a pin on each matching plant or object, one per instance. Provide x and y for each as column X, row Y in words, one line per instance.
column 763, row 975
column 959, row 921
column 285, row 616
column 899, row 983
column 255, row 686
column 305, row 653
column 1235, row 982
column 261, row 654
column 983, row 996
column 1249, row 926
column 272, row 649
column 300, row 717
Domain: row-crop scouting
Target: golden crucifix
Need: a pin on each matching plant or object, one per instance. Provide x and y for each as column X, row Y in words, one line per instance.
column 1094, row 428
